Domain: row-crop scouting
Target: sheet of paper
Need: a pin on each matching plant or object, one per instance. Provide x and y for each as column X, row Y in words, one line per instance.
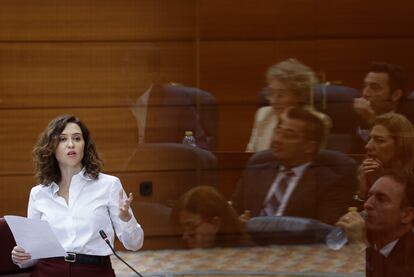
column 35, row 236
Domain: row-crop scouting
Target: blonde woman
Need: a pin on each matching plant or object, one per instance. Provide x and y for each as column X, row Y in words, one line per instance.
column 290, row 83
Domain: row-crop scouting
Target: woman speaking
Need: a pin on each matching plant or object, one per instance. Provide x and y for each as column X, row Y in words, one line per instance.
column 77, row 200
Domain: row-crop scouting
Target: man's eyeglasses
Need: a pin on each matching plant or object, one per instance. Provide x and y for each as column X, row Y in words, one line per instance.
column 288, row 135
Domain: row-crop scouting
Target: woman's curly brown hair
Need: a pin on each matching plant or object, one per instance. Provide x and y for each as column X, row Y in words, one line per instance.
column 45, row 163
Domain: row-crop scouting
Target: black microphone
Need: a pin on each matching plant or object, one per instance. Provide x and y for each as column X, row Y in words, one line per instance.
column 105, row 238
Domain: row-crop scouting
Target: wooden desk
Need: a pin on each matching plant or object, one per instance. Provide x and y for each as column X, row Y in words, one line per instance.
column 277, row 260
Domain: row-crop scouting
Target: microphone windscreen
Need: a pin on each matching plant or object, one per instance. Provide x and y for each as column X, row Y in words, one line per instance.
column 103, row 235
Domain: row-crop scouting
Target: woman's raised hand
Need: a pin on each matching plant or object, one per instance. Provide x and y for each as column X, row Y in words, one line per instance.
column 124, row 205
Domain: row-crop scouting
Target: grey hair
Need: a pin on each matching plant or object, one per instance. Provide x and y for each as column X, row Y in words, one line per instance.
column 298, row 76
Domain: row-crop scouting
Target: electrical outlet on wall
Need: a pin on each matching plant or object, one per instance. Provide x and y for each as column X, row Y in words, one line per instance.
column 145, row 188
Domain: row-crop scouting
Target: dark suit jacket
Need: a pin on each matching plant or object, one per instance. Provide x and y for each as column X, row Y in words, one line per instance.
column 323, row 193
column 399, row 263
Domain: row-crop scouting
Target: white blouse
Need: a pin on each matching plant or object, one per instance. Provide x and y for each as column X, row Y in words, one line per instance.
column 265, row 121
column 92, row 205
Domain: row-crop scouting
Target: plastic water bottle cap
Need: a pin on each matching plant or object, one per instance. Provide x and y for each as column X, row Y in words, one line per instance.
column 352, row 209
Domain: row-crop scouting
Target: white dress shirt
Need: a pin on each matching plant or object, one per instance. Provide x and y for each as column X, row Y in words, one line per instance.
column 386, row 250
column 92, row 205
column 140, row 112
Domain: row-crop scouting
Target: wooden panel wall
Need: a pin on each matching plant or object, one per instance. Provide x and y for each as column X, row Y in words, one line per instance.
column 293, row 19
column 91, row 59
column 241, row 38
column 94, row 58
column 35, row 75
column 97, row 20
column 256, row 20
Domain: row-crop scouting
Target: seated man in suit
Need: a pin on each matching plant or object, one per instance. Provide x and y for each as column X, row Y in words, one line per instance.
column 387, row 231
column 300, row 180
column 383, row 91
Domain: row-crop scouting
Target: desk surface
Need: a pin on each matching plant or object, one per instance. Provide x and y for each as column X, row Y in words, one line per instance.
column 278, row 260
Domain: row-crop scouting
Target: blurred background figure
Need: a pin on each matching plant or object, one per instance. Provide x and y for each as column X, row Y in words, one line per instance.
column 297, row 177
column 206, row 219
column 384, row 89
column 290, row 83
column 390, row 146
column 387, row 232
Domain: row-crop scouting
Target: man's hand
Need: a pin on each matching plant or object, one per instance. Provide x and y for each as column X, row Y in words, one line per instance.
column 246, row 216
column 354, row 226
column 364, row 110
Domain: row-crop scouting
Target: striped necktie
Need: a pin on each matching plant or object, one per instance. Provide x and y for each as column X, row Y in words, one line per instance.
column 272, row 204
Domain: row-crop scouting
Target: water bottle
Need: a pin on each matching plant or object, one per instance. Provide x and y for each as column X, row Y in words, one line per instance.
column 189, row 139
column 337, row 238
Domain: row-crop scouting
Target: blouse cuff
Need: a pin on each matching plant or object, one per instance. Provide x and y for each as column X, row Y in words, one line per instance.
column 130, row 225
column 27, row 264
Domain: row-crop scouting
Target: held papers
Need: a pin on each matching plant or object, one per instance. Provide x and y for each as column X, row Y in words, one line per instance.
column 35, row 236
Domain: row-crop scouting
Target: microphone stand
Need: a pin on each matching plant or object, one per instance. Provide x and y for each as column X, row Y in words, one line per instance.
column 105, row 238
